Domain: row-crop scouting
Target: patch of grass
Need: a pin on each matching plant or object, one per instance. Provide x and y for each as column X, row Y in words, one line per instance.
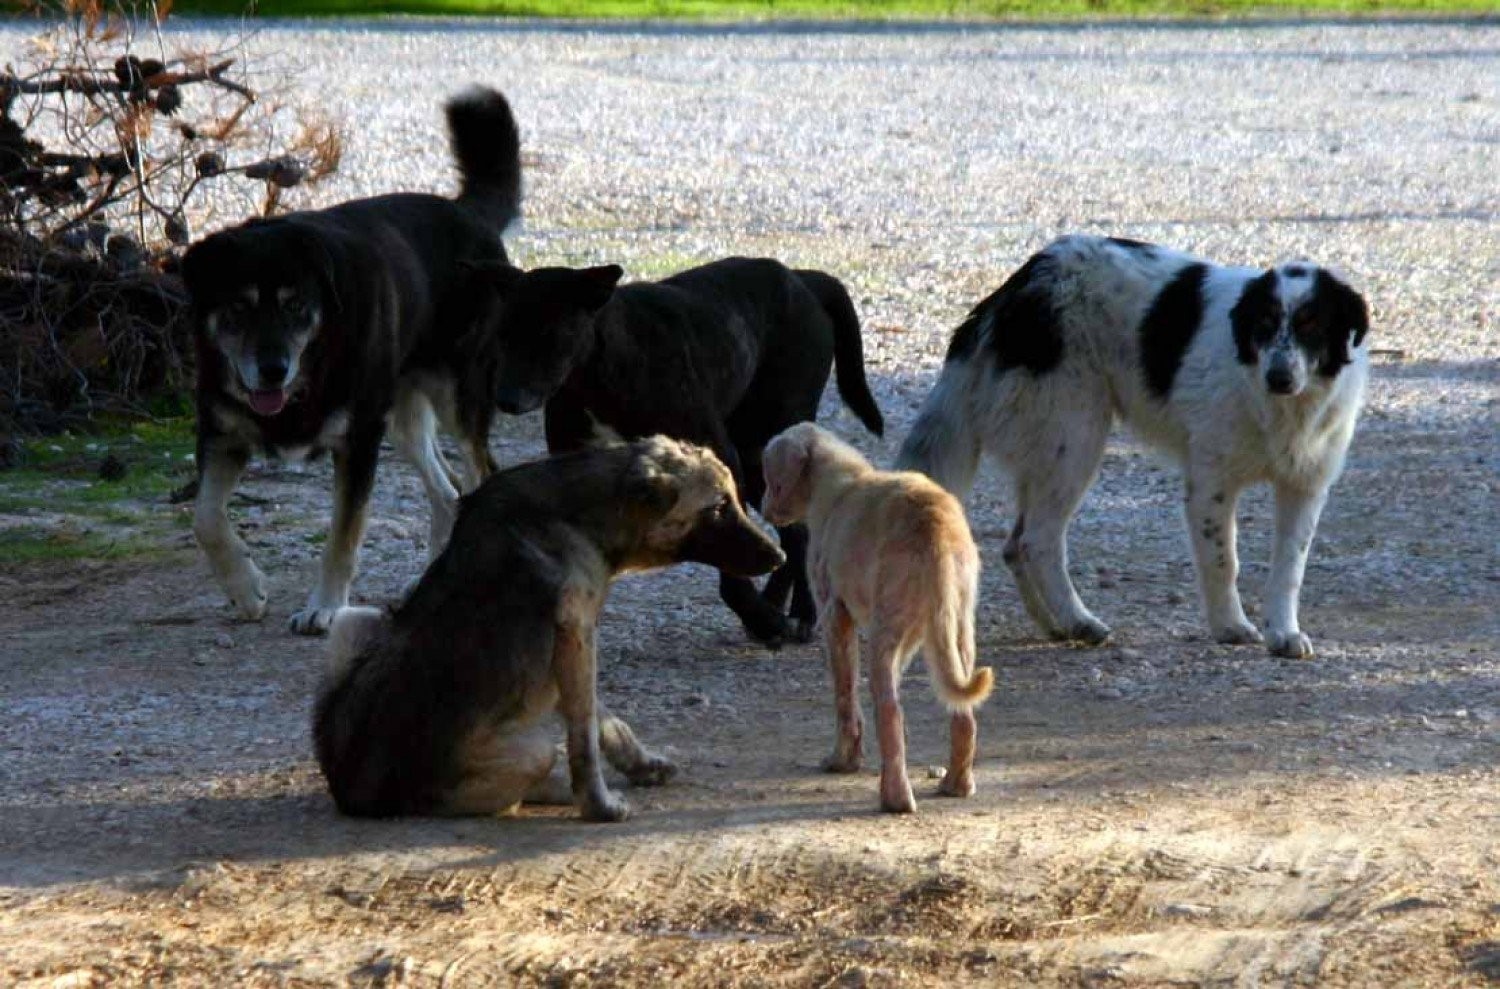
column 832, row 9
column 60, row 474
column 35, row 543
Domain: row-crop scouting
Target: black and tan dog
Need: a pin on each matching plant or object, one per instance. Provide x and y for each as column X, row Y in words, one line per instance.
column 443, row 706
column 317, row 329
column 727, row 355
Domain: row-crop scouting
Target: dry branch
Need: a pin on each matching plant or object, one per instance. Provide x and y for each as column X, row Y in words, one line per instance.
column 110, row 155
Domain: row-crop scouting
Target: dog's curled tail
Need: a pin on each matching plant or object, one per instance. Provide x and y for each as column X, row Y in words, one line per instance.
column 487, row 149
column 943, row 442
column 951, row 654
column 848, row 347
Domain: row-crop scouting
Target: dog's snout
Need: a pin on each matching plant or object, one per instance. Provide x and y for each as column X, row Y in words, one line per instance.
column 515, row 401
column 273, row 368
column 1280, row 381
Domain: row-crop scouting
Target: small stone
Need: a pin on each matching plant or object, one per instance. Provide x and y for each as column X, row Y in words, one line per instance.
column 1175, row 597
column 695, row 700
column 1186, row 910
column 937, row 772
column 1128, row 656
column 1108, row 694
column 224, row 640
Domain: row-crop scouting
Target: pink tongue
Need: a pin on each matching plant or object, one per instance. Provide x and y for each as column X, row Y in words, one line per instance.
column 268, row 403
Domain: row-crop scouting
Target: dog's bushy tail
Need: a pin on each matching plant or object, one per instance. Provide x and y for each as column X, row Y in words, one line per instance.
column 950, row 651
column 487, row 148
column 848, row 347
column 944, row 442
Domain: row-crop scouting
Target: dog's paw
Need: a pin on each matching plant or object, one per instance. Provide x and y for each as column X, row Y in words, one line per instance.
column 607, row 808
column 1239, row 633
column 801, row 630
column 841, row 761
column 654, row 770
column 247, row 592
column 771, row 634
column 312, row 621
column 1292, row 645
column 956, row 785
column 898, row 801
column 1088, row 630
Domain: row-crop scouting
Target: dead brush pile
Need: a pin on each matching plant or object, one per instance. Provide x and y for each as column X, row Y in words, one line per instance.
column 112, row 151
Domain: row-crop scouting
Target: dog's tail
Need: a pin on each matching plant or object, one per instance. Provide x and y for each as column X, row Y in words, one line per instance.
column 944, row 442
column 487, row 148
column 949, row 649
column 848, row 347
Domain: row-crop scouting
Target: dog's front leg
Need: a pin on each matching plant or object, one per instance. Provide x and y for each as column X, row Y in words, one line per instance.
column 219, row 469
column 353, row 477
column 575, row 664
column 1296, row 520
column 1210, row 507
column 842, row 643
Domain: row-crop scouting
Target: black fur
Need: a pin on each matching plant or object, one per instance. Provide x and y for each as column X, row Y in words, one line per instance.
column 382, row 276
column 1338, row 312
column 1169, row 327
column 1024, row 331
column 1255, row 317
column 727, row 355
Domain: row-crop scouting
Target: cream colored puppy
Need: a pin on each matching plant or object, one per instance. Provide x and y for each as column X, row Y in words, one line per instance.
column 890, row 553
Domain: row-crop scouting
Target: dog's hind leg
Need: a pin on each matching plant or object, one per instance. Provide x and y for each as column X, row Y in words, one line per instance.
column 498, row 773
column 414, row 434
column 353, row 477
column 1051, row 479
column 625, row 752
column 888, row 658
column 219, row 469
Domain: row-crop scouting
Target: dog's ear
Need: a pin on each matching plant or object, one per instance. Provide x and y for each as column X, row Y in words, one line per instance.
column 650, row 488
column 1348, row 313
column 597, row 285
column 496, row 276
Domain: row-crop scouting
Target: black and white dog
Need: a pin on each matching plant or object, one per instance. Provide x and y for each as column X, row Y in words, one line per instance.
column 316, row 328
column 1243, row 376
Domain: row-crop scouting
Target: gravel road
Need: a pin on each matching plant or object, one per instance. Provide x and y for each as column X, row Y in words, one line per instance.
column 1159, row 811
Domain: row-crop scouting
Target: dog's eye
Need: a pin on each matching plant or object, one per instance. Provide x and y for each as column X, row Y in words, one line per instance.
column 724, row 506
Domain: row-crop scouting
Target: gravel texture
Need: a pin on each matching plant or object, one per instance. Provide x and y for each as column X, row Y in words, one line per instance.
column 1162, row 810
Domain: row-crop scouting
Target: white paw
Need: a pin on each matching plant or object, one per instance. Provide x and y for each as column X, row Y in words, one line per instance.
column 312, row 621
column 1238, row 633
column 247, row 591
column 1292, row 645
column 1088, row 630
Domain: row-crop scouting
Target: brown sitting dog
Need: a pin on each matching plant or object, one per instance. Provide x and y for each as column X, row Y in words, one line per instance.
column 443, row 705
column 890, row 553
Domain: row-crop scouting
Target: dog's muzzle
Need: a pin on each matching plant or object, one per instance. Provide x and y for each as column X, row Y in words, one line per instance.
column 735, row 546
column 1280, row 381
column 517, row 401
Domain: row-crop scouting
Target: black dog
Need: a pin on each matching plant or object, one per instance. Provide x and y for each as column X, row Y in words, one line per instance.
column 727, row 355
column 314, row 329
column 444, row 705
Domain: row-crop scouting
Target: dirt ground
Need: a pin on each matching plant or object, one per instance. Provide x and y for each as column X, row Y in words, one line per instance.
column 1158, row 811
